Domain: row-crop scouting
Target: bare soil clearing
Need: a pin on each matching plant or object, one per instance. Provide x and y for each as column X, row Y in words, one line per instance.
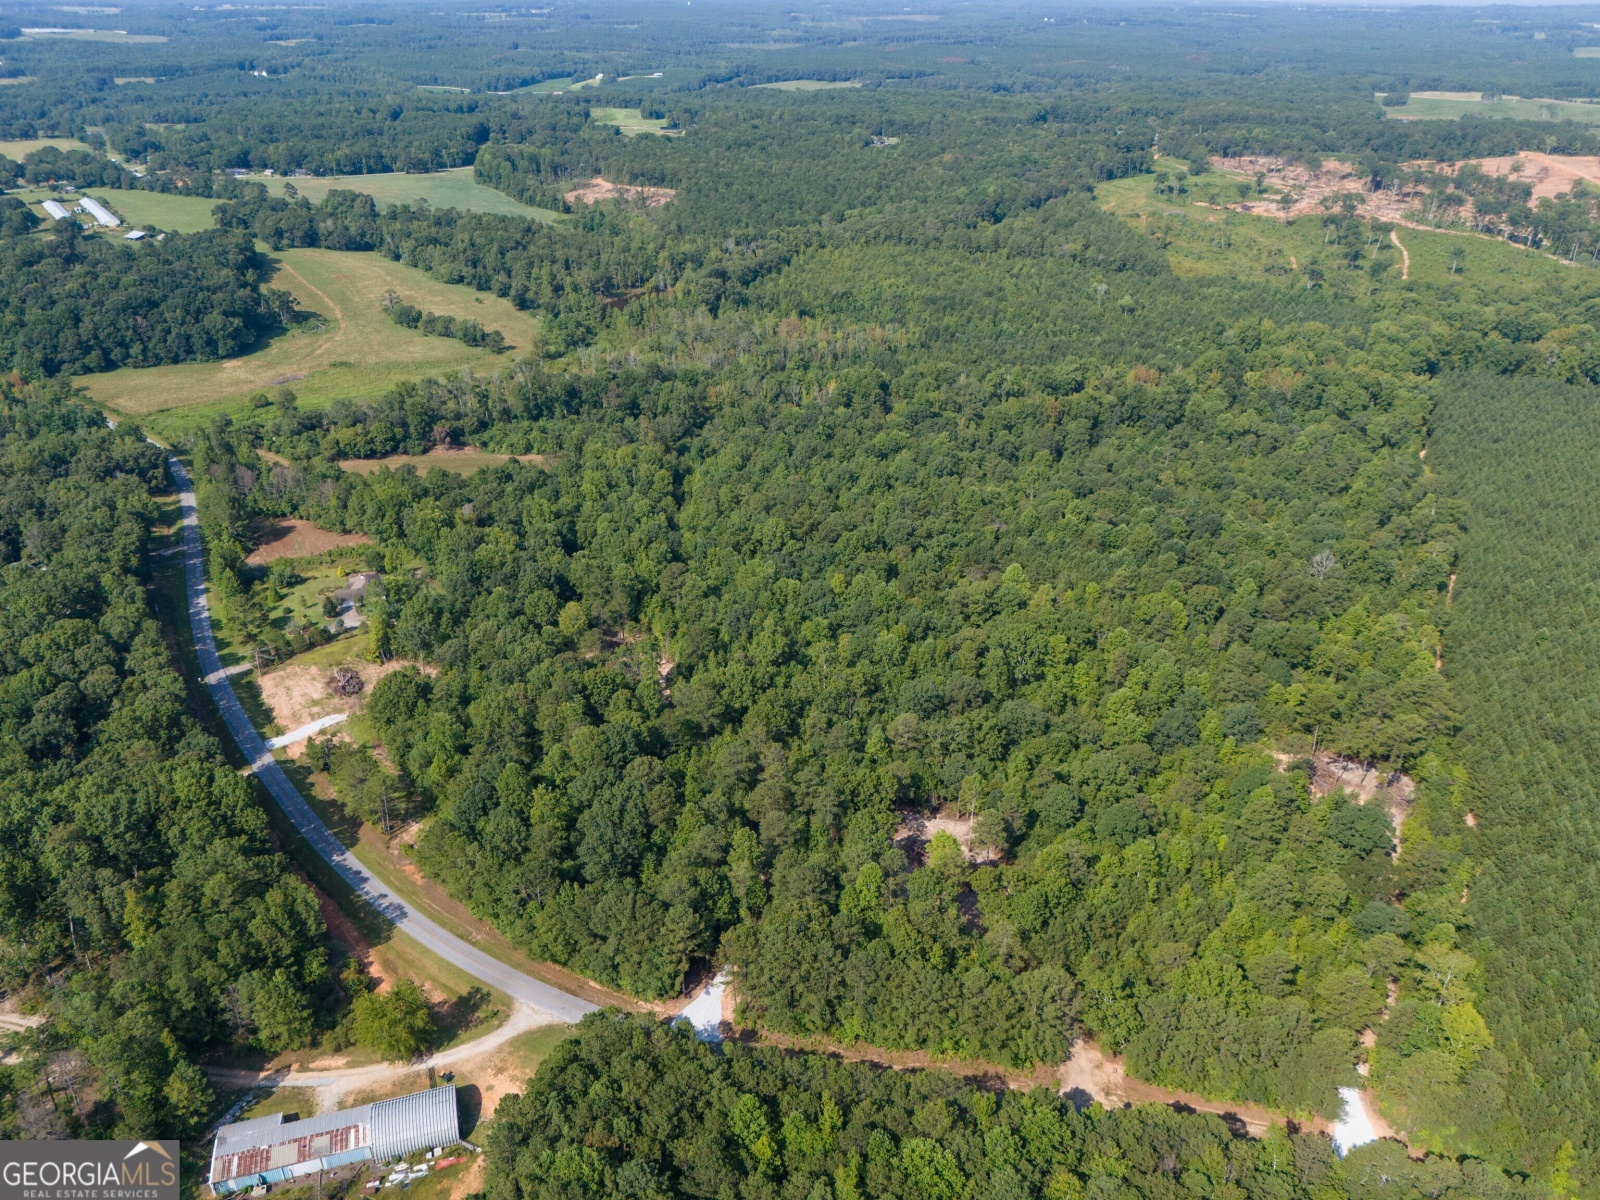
column 1092, row 1074
column 298, row 693
column 1550, row 174
column 916, row 831
column 290, row 537
column 598, row 190
column 1333, row 181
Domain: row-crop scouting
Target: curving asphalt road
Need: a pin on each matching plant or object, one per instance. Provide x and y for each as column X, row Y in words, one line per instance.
column 523, row 988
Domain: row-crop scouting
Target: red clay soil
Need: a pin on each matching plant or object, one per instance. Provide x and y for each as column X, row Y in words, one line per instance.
column 286, row 537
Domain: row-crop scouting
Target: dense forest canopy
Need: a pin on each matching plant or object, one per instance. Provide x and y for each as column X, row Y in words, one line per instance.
column 928, row 596
column 627, row 1108
column 135, row 866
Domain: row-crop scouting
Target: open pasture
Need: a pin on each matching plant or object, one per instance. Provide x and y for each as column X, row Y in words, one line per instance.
column 1452, row 106
column 630, row 123
column 455, row 188
column 18, row 149
column 347, row 346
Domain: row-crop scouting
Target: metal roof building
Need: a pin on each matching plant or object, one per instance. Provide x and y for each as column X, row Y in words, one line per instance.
column 56, row 209
column 272, row 1150
column 99, row 212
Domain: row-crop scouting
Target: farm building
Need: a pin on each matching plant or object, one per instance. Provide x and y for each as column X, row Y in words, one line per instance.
column 272, row 1150
column 56, row 209
column 100, row 213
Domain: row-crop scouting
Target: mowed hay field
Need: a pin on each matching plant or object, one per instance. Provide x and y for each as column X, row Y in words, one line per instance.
column 442, row 189
column 153, row 210
column 351, row 349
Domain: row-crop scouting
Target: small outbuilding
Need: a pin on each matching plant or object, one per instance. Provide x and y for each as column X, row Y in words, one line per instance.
column 268, row 1150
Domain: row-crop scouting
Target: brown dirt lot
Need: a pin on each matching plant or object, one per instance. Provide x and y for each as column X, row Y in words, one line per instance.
column 298, row 694
column 286, row 537
column 598, row 189
column 1550, row 174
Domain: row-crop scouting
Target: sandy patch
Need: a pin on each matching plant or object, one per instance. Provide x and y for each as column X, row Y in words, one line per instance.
column 916, row 831
column 598, row 190
column 1092, row 1074
column 1550, row 174
column 298, row 694
column 1361, row 780
column 286, row 537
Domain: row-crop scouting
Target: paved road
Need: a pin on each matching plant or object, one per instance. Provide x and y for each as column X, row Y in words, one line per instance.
column 523, row 988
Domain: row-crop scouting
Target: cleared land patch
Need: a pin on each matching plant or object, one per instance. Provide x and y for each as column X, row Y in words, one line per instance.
column 1550, row 174
column 93, row 35
column 462, row 461
column 18, row 149
column 455, row 188
column 289, row 537
column 809, row 85
column 598, row 190
column 349, row 348
column 141, row 210
column 630, row 123
column 15, row 80
column 1206, row 233
column 1452, row 106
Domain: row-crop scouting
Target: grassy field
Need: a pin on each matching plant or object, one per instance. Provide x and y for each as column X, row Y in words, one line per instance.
column 544, row 87
column 631, row 123
column 95, row 35
column 16, row 150
column 350, row 348
column 809, row 85
column 142, row 210
column 442, row 189
column 1203, row 240
column 1452, row 106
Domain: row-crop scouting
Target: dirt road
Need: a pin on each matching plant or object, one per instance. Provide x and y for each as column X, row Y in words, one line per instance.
column 332, row 1086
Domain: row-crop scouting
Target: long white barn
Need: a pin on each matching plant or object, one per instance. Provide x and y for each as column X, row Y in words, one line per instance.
column 271, row 1150
column 101, row 214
